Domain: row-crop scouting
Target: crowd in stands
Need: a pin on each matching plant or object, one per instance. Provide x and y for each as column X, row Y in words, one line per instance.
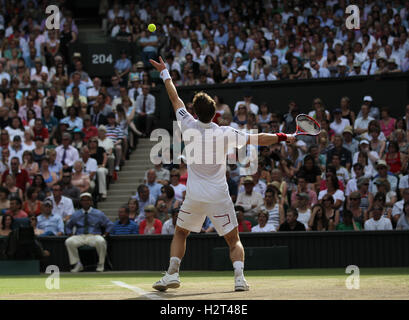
column 220, row 41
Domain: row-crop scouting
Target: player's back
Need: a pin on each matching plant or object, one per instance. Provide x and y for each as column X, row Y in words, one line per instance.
column 206, row 146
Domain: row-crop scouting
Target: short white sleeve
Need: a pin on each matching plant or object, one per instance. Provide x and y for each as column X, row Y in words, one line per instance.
column 184, row 118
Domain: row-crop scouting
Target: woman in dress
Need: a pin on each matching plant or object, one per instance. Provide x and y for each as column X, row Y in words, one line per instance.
column 16, row 128
column 79, row 178
column 39, row 150
column 387, row 123
column 29, row 164
column 6, row 223
column 330, row 212
column 10, row 184
column 32, row 205
column 50, row 178
column 28, row 143
column 346, row 112
column 395, row 159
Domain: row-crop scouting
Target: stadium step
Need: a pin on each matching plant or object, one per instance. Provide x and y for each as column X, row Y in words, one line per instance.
column 129, row 178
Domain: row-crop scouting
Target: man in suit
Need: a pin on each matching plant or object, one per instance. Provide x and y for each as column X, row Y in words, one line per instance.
column 88, row 222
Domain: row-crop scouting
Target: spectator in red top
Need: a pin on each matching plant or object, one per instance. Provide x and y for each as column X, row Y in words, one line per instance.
column 15, row 209
column 40, row 131
column 244, row 225
column 21, row 175
column 394, row 158
column 150, row 225
column 88, row 129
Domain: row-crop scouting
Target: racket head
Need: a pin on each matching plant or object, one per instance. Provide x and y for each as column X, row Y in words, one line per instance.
column 306, row 125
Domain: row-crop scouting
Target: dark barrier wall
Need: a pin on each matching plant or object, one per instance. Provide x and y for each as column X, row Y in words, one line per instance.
column 390, row 91
column 306, row 249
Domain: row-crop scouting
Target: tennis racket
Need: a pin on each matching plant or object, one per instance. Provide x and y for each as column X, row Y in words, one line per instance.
column 306, row 126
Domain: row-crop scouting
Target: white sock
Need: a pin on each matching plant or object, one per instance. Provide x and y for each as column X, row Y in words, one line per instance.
column 238, row 268
column 174, row 265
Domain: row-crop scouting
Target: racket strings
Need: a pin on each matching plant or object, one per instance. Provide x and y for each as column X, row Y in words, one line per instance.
column 307, row 125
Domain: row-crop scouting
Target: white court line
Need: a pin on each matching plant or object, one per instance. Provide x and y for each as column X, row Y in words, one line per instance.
column 138, row 290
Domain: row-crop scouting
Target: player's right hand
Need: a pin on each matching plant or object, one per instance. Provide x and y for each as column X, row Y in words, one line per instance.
column 291, row 139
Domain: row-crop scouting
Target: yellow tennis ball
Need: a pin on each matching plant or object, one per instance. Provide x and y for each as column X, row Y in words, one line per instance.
column 151, row 27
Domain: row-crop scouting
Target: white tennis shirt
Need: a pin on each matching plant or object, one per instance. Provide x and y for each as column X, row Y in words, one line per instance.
column 206, row 146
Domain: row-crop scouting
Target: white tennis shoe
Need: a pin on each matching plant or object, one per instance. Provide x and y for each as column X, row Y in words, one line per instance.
column 240, row 284
column 168, row 281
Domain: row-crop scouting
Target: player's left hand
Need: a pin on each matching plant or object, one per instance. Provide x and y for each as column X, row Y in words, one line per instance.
column 291, row 139
column 158, row 66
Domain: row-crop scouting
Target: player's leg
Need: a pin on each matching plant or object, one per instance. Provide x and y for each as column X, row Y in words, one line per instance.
column 187, row 221
column 237, row 258
column 177, row 249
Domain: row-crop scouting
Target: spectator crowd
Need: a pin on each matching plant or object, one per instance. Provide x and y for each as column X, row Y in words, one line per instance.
column 220, row 41
column 64, row 136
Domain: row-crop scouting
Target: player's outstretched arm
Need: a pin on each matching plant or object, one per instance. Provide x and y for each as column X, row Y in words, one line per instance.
column 267, row 139
column 170, row 88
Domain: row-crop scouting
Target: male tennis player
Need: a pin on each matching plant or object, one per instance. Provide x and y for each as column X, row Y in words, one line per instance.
column 206, row 190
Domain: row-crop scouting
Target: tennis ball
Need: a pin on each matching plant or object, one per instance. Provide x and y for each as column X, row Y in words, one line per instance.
column 151, row 27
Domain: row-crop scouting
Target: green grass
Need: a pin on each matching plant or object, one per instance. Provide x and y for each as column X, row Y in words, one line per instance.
column 375, row 282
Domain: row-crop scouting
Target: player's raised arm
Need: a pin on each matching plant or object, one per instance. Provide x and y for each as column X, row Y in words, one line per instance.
column 170, row 88
column 267, row 139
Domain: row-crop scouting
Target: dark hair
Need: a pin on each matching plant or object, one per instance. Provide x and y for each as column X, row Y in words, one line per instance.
column 43, row 184
column 5, row 190
column 404, row 205
column 293, row 210
column 141, row 187
column 169, row 191
column 3, row 222
column 238, row 208
column 204, row 107
column 380, row 196
column 125, row 206
column 324, row 219
column 347, row 213
column 17, row 199
column 30, row 191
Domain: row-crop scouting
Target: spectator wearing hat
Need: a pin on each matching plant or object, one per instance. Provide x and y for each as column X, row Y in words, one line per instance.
column 66, row 153
column 88, row 222
column 145, row 105
column 135, row 89
column 304, row 210
column 150, row 225
column 382, row 169
column 242, row 75
column 378, row 221
column 170, row 224
column 339, row 124
column 250, row 200
column 350, row 143
column 397, row 209
column 51, row 224
column 273, row 206
column 291, row 223
column 122, row 67
column 124, row 225
column 403, row 222
column 357, row 70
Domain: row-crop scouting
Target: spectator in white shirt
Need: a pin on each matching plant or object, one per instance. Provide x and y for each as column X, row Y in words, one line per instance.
column 16, row 149
column 145, row 108
column 369, row 67
column 170, row 224
column 247, row 102
column 378, row 222
column 250, row 200
column 403, row 222
column 62, row 206
column 262, row 226
column 361, row 123
column 397, row 209
column 357, row 70
column 339, row 123
column 66, row 154
column 319, row 72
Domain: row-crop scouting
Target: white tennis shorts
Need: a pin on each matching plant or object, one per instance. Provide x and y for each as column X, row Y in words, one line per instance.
column 193, row 213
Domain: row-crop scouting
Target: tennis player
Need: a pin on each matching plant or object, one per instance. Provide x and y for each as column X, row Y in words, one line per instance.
column 206, row 190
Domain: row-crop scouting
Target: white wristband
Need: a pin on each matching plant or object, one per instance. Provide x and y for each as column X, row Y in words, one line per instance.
column 164, row 74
